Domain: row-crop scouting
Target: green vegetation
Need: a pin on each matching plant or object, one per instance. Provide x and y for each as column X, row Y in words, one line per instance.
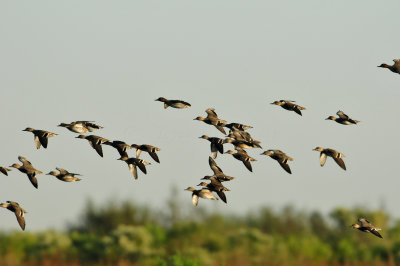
column 126, row 234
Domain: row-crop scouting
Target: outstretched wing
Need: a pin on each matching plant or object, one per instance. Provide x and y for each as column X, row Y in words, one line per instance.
column 195, row 199
column 33, row 180
column 43, row 139
column 297, row 111
column 322, row 159
column 211, row 113
column 24, row 161
column 364, row 222
column 133, row 170
column 340, row 162
column 98, row 148
column 285, row 166
column 37, row 142
column 375, row 232
column 142, row 167
column 222, row 196
column 214, row 167
column 62, row 171
column 19, row 213
column 248, row 165
column 342, row 115
column 214, row 150
column 154, row 156
column 221, row 129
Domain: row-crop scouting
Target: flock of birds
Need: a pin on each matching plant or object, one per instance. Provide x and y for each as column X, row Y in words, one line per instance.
column 237, row 136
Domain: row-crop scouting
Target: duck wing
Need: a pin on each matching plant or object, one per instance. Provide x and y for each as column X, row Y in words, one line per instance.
column 142, row 167
column 214, row 167
column 340, row 162
column 220, row 147
column 214, row 150
column 154, row 156
column 322, row 158
column 297, row 110
column 37, row 142
column 19, row 213
column 43, row 139
column 97, row 147
column 248, row 165
column 222, row 196
column 4, row 170
column 285, row 166
column 195, row 199
column 342, row 115
column 221, row 129
column 375, row 232
column 24, row 161
column 62, row 171
column 211, row 113
column 365, row 223
column 33, row 179
column 133, row 170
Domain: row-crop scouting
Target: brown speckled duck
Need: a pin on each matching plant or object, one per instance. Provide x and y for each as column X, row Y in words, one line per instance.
column 64, row 175
column 173, row 103
column 40, row 136
column 133, row 163
column 242, row 155
column 95, row 142
column 337, row 156
column 366, row 227
column 120, row 146
column 395, row 68
column 212, row 119
column 343, row 119
column 217, row 145
column 151, row 150
column 280, row 157
column 28, row 169
column 81, row 126
column 290, row 105
column 216, row 187
column 202, row 193
column 17, row 210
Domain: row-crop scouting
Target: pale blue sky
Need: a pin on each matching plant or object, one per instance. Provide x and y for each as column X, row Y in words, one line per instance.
column 107, row 61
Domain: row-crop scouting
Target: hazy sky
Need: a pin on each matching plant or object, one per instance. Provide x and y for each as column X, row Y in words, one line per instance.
column 107, row 61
